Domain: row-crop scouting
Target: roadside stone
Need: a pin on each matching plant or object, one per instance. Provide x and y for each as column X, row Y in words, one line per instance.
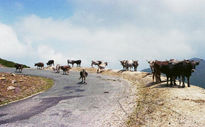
column 2, row 78
column 10, row 88
column 21, row 80
column 13, row 81
column 12, row 74
column 17, row 90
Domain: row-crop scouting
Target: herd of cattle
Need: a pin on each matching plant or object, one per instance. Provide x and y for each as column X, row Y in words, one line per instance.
column 173, row 69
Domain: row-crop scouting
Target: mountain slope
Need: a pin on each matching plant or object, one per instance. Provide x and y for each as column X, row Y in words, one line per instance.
column 7, row 63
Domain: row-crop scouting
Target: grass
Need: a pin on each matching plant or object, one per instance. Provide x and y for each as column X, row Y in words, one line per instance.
column 7, row 63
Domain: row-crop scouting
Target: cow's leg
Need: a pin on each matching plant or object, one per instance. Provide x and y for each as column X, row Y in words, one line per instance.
column 188, row 81
column 183, row 79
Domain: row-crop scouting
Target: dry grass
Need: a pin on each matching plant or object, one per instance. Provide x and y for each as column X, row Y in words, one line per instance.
column 24, row 86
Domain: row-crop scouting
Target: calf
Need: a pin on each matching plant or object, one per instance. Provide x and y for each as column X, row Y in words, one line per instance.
column 65, row 69
column 83, row 75
column 39, row 65
column 19, row 67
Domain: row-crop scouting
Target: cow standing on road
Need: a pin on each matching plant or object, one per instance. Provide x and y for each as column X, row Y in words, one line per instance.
column 65, row 69
column 72, row 62
column 83, row 75
column 19, row 67
column 50, row 63
column 39, row 65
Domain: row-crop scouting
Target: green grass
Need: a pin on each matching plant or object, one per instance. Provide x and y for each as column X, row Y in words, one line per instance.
column 7, row 63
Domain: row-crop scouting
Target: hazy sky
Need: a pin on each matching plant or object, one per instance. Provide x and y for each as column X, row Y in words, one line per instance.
column 109, row 30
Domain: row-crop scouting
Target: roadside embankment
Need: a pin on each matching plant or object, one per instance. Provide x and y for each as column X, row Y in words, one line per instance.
column 157, row 105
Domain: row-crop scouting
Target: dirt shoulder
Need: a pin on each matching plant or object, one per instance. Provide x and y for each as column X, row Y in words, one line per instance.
column 156, row 105
column 15, row 87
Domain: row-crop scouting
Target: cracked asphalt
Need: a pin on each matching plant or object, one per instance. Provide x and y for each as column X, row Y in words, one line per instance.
column 68, row 103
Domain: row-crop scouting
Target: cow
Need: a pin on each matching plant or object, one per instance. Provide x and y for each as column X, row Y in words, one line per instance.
column 39, row 65
column 151, row 64
column 174, row 69
column 19, row 67
column 101, row 67
column 186, row 68
column 50, row 63
column 123, row 63
column 72, row 62
column 57, row 68
column 65, row 69
column 135, row 65
column 83, row 75
column 95, row 63
column 160, row 67
column 129, row 64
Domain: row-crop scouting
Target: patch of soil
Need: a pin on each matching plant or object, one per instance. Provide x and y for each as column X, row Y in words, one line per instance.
column 15, row 86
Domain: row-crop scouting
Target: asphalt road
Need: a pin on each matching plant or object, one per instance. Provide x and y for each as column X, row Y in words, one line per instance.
column 67, row 104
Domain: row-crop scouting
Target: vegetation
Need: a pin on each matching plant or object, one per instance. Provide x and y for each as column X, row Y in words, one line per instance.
column 7, row 63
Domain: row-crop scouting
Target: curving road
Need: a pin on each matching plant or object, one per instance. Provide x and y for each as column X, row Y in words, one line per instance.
column 67, row 104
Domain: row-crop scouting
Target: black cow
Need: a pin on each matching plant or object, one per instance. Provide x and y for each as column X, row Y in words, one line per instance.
column 50, row 63
column 72, row 62
column 175, row 69
column 19, row 67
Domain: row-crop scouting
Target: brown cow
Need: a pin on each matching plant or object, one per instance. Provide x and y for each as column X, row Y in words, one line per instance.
column 65, row 69
column 83, row 75
column 39, row 65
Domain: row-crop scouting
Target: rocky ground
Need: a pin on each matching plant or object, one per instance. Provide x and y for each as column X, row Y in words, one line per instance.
column 15, row 86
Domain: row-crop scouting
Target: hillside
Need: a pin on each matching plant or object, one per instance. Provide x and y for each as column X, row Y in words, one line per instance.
column 197, row 77
column 7, row 63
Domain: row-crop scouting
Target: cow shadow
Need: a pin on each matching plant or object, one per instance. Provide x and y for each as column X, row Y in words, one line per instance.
column 165, row 85
column 81, row 83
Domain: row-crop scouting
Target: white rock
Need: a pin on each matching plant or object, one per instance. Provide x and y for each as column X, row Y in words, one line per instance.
column 13, row 81
column 13, row 74
column 2, row 78
column 10, row 88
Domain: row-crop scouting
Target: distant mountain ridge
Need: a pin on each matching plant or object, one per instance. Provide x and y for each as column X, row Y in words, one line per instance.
column 7, row 63
column 198, row 77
